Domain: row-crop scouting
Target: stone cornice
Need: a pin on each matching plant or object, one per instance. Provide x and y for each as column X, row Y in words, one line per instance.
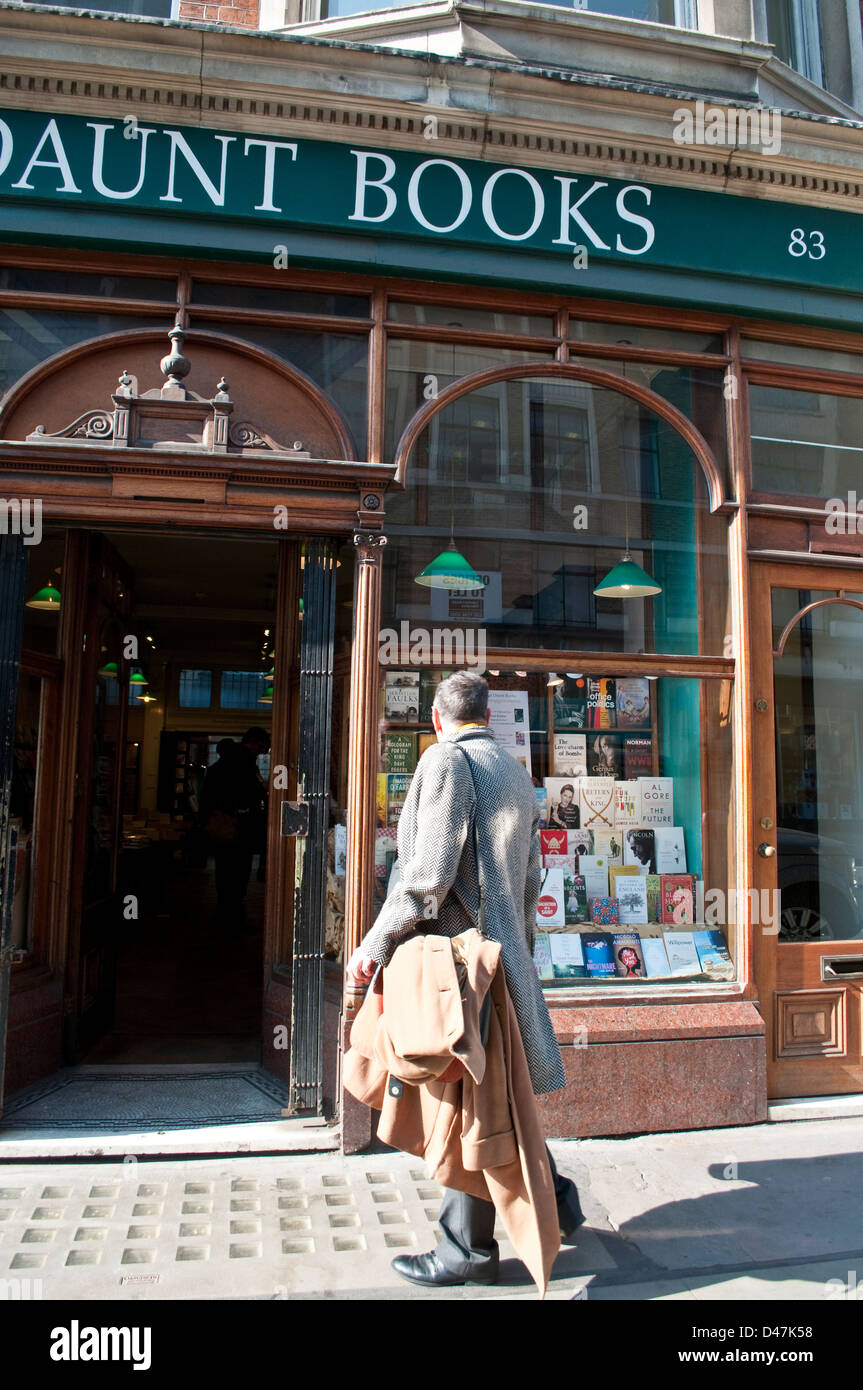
column 499, row 112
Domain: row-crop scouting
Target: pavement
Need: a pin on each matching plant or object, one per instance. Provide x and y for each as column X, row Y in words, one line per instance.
column 757, row 1213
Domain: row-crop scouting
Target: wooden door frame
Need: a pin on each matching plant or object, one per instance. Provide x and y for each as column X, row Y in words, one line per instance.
column 765, row 575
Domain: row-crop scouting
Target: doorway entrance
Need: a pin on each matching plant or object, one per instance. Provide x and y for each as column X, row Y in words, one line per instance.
column 197, row 683
column 174, row 697
column 809, row 674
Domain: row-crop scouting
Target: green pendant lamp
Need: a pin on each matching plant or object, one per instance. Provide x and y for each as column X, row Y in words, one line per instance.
column 47, row 598
column 109, row 669
column 138, row 679
column 449, row 570
column 627, row 580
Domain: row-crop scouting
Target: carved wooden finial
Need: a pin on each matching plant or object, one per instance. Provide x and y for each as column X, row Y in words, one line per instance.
column 175, row 365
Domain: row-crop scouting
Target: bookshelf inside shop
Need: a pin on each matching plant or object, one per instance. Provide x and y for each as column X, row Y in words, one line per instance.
column 619, row 800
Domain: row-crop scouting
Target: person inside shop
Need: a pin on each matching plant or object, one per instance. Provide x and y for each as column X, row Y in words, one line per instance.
column 468, row 779
column 234, row 816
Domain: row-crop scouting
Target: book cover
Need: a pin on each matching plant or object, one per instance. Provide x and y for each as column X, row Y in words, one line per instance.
column 550, row 908
column 657, row 800
column 402, row 696
column 713, row 954
column 542, row 805
column 425, row 741
column 570, row 755
column 608, row 843
column 670, row 849
column 553, row 842
column 560, row 861
column 682, row 955
column 627, row 805
column 637, row 757
column 574, row 898
column 628, row 956
column 604, row 912
column 604, row 755
column 428, row 686
column 596, row 803
column 654, row 889
column 567, row 956
column 579, row 841
column 594, row 870
column 639, row 848
column 386, row 853
column 633, row 703
column 399, row 753
column 620, row 871
column 598, row 954
column 655, row 956
column 398, row 785
column 677, row 899
column 563, row 810
column 631, row 894
column 601, row 702
column 699, row 900
column 569, row 707
column 542, row 957
column 381, row 798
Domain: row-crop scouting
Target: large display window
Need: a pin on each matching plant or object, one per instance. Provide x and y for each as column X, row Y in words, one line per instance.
column 633, row 777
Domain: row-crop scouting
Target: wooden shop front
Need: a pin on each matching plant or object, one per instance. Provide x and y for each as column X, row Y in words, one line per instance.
column 335, row 430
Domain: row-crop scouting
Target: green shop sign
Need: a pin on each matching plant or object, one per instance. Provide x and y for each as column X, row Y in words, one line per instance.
column 192, row 191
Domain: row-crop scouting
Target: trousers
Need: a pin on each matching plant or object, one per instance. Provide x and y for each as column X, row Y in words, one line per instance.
column 467, row 1242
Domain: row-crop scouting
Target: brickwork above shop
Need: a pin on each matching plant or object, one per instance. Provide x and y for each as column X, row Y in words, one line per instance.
column 242, row 14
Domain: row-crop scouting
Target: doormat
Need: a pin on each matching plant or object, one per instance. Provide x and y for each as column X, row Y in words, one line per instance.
column 117, row 1100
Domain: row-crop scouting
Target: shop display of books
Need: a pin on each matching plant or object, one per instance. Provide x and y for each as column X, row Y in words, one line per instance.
column 604, row 950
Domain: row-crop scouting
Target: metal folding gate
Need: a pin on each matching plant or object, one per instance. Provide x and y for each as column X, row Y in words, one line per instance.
column 313, row 776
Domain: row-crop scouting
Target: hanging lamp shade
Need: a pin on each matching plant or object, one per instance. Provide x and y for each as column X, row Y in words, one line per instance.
column 554, row 679
column 449, row 570
column 627, row 580
column 266, row 698
column 47, row 598
column 271, row 674
column 138, row 678
column 109, row 669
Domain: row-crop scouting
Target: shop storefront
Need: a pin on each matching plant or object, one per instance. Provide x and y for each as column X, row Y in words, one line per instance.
column 425, row 407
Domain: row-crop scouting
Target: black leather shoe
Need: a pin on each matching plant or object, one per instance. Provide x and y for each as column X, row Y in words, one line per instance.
column 427, row 1269
column 569, row 1213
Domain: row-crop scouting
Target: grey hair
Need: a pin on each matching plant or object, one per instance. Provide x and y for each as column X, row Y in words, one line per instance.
column 462, row 698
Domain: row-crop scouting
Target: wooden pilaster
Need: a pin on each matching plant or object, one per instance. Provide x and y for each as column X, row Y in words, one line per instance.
column 362, row 768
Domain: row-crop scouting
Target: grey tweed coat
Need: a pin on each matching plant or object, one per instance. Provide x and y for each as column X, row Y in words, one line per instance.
column 435, row 885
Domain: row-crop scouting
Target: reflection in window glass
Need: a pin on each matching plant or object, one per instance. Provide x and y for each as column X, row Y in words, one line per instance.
column 80, row 282
column 419, row 371
column 818, row 680
column 644, row 335
column 336, row 362
column 543, row 481
column 30, row 336
column 805, row 442
column 482, row 320
column 195, row 688
column 243, row 689
column 819, row 357
column 289, row 301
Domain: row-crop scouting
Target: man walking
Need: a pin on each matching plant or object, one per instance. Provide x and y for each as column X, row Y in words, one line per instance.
column 467, row 781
